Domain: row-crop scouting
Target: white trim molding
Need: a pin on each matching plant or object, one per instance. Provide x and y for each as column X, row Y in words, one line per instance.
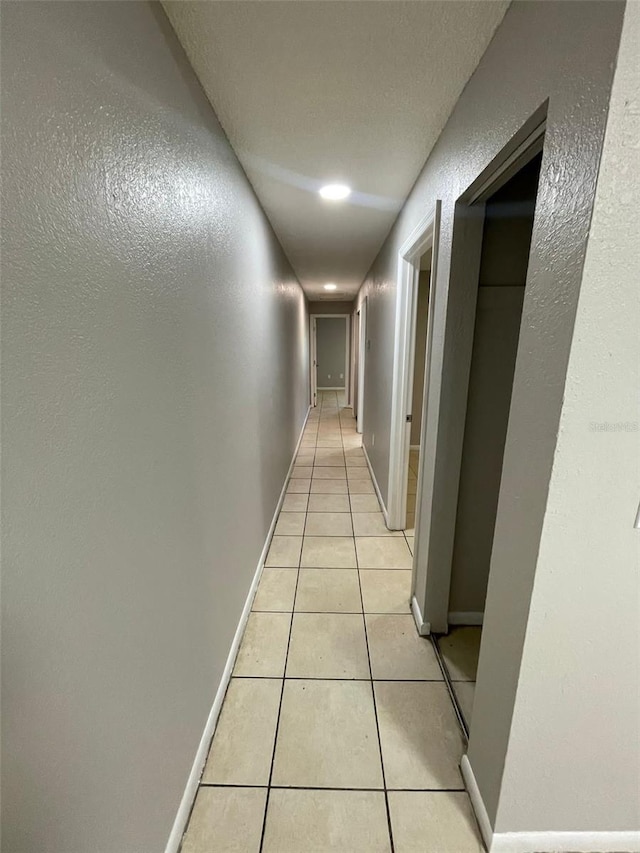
column 566, row 842
column 423, row 237
column 463, row 617
column 552, row 841
column 313, row 356
column 191, row 789
column 424, row 628
column 376, row 486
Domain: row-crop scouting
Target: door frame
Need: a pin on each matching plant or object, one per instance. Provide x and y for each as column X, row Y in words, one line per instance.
column 430, row 596
column 423, row 237
column 362, row 355
column 313, row 359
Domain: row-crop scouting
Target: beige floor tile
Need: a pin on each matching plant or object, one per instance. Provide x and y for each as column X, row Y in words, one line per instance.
column 295, row 502
column 330, row 442
column 327, row 736
column 428, row 822
column 364, row 503
column 242, row 746
column 355, row 473
column 264, row 646
column 329, row 503
column 327, row 645
column 372, row 524
column 329, row 473
column 361, row 487
column 329, row 524
column 329, row 458
column 284, row 552
column 460, row 650
column 305, row 459
column 465, row 693
column 386, row 591
column 301, row 472
column 421, row 741
column 327, row 591
column 410, row 529
column 298, row 485
column 356, row 462
column 290, row 524
column 276, row 590
column 383, row 552
column 329, row 487
column 397, row 651
column 328, row 552
column 355, row 452
column 411, row 542
column 216, row 817
column 326, row 822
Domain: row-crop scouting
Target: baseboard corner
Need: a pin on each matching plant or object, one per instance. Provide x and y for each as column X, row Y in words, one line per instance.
column 424, row 628
column 477, row 802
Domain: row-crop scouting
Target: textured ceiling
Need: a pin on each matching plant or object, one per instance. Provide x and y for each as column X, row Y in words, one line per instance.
column 317, row 91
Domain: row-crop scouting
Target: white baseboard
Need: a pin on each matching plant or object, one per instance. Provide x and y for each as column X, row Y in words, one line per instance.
column 414, row 447
column 477, row 803
column 566, row 842
column 331, row 388
column 461, row 617
column 544, row 842
column 191, row 789
column 376, row 486
column 424, row 628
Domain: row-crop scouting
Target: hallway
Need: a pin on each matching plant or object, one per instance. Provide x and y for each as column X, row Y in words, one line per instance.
column 210, row 639
column 357, row 748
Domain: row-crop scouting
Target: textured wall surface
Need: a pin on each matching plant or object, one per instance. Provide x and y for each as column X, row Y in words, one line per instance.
column 582, row 650
column 563, row 53
column 155, row 379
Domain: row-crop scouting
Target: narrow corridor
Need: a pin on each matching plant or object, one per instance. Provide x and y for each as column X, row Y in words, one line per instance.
column 337, row 732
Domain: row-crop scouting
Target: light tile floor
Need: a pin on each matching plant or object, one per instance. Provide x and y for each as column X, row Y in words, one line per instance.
column 460, row 650
column 337, row 732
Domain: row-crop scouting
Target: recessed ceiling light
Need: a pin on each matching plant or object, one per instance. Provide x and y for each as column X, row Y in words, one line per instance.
column 335, row 192
column 331, row 286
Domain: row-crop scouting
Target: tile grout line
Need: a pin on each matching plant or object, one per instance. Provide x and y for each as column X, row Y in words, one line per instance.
column 328, row 788
column 373, row 697
column 284, row 676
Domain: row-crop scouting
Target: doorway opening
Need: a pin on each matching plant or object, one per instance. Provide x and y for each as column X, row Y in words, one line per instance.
column 359, row 339
column 507, row 225
column 418, row 387
column 417, row 262
column 329, row 354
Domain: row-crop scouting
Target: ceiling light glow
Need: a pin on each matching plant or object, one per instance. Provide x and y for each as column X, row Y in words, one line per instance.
column 335, row 192
column 330, row 286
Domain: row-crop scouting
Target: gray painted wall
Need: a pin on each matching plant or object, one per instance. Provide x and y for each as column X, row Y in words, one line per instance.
column 330, row 307
column 331, row 351
column 495, row 344
column 155, row 379
column 563, row 52
column 574, row 752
